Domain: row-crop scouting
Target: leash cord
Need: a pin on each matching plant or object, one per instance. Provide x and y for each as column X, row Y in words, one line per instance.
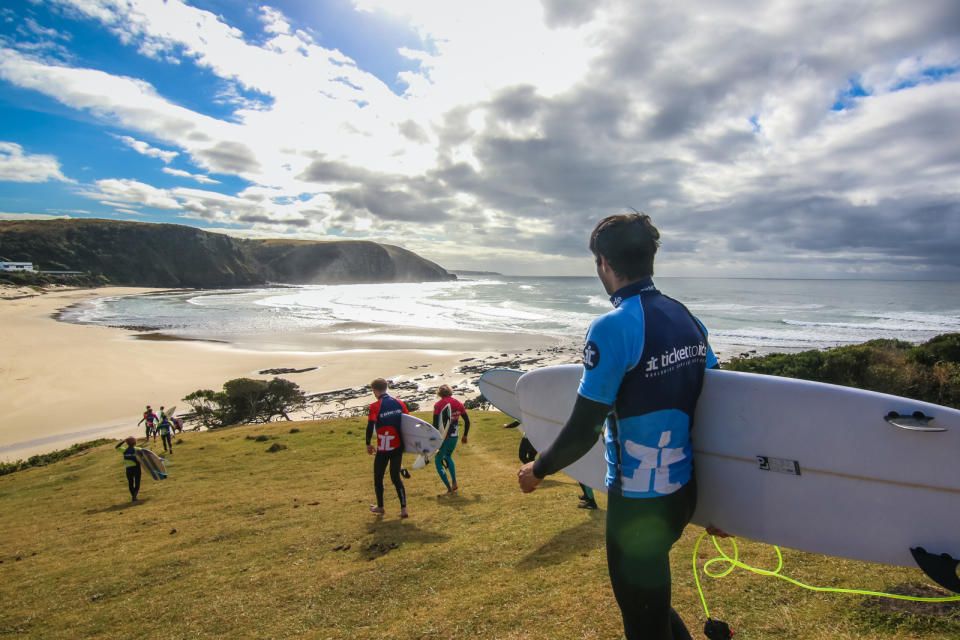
column 735, row 563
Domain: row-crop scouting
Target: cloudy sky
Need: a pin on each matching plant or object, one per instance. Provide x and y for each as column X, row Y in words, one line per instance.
column 765, row 138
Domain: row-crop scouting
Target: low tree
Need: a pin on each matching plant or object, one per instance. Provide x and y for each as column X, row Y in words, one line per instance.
column 245, row 401
column 281, row 397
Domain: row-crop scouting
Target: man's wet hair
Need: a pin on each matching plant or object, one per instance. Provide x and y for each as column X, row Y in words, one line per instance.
column 444, row 391
column 379, row 385
column 629, row 242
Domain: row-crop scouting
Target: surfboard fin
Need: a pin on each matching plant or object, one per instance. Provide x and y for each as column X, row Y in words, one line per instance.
column 942, row 568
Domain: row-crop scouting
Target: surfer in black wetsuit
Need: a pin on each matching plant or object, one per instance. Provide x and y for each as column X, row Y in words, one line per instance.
column 132, row 465
column 384, row 419
column 644, row 365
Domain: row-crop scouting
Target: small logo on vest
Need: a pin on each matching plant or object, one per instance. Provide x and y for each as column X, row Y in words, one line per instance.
column 591, row 355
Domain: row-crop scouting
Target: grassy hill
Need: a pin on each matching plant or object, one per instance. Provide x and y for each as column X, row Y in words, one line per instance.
column 240, row 542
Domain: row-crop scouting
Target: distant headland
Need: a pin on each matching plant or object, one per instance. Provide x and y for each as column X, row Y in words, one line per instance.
column 177, row 256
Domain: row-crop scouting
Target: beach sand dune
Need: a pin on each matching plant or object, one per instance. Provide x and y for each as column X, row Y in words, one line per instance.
column 63, row 383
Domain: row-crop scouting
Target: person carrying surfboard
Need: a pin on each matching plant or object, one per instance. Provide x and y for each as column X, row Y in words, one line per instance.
column 444, row 456
column 384, row 419
column 149, row 417
column 132, row 465
column 644, row 365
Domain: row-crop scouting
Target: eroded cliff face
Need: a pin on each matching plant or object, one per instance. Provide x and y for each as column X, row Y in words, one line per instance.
column 169, row 255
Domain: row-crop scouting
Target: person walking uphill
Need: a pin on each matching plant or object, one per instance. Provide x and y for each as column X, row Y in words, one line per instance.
column 132, row 465
column 149, row 417
column 165, row 428
column 384, row 419
column 444, row 456
column 635, row 382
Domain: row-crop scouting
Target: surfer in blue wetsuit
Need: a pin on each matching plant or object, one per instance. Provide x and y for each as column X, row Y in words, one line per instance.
column 644, row 365
column 132, row 465
column 384, row 419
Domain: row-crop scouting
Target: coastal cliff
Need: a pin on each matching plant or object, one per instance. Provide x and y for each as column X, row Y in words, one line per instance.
column 170, row 255
column 341, row 262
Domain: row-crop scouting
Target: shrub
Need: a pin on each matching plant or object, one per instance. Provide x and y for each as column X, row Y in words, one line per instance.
column 929, row 372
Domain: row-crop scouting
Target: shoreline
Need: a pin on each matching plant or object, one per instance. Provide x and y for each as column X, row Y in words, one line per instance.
column 60, row 381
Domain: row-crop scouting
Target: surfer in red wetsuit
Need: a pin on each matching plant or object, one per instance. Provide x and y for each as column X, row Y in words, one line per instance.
column 150, row 418
column 444, row 457
column 384, row 419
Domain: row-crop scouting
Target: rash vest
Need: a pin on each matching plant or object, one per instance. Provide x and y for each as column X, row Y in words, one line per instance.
column 456, row 410
column 646, row 357
column 385, row 413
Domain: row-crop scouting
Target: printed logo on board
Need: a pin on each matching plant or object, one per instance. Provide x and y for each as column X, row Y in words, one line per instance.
column 591, row 355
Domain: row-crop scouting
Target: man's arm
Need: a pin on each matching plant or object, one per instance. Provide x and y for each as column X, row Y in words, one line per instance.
column 466, row 426
column 577, row 436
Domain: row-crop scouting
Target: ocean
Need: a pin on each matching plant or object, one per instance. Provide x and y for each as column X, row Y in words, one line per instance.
column 742, row 315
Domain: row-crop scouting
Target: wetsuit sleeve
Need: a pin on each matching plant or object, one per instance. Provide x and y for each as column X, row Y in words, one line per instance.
column 577, row 436
column 403, row 406
column 372, row 419
column 712, row 361
column 609, row 352
column 466, row 423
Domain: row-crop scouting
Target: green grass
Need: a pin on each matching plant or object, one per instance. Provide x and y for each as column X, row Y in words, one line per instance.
column 242, row 543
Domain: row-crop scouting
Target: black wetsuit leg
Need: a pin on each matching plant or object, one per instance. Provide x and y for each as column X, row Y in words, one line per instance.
column 167, row 441
column 380, row 462
column 396, row 462
column 640, row 533
column 133, row 481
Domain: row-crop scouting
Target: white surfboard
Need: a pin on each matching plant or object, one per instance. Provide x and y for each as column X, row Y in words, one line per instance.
column 499, row 388
column 153, row 463
column 424, row 458
column 806, row 465
column 418, row 437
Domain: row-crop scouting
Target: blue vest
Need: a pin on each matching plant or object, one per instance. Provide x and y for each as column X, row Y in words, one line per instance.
column 646, row 358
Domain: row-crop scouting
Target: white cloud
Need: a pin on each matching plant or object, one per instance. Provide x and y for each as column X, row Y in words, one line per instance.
column 180, row 173
column 16, row 166
column 145, row 149
column 30, row 216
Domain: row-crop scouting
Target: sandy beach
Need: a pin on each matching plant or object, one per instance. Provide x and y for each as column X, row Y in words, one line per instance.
column 63, row 383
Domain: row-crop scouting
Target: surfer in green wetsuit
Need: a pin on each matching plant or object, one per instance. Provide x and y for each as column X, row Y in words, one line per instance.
column 132, row 465
column 644, row 365
column 444, row 457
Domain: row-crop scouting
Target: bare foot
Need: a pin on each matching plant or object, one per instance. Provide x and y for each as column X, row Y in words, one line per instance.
column 454, row 487
column 375, row 509
column 403, row 513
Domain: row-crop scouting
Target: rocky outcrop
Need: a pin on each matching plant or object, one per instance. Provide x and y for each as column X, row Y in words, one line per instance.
column 342, row 262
